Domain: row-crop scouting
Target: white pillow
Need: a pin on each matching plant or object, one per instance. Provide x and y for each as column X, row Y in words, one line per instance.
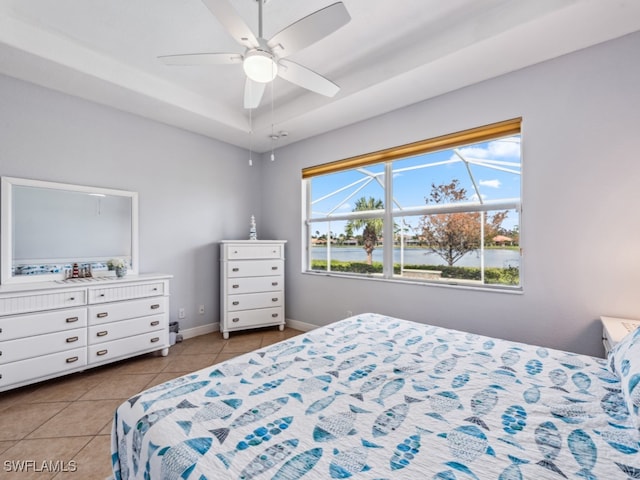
column 624, row 361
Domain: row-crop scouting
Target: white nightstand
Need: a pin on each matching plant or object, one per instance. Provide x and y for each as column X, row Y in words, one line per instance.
column 615, row 329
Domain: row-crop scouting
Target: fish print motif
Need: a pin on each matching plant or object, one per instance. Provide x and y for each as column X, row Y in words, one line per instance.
column 549, row 442
column 223, row 389
column 585, row 452
column 180, row 460
column 443, row 403
column 299, row 465
column 392, row 418
column 210, row 411
column 482, row 403
column 322, row 403
column 405, row 452
column 273, row 369
column 389, row 389
column 349, row 462
column 468, row 442
column 337, row 425
column 232, row 369
column 164, row 386
column 268, row 459
column 176, row 392
column 140, row 430
column 259, row 436
column 268, row 386
column 259, row 412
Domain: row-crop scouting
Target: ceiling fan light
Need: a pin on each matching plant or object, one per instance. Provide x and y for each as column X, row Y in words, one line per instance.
column 260, row 66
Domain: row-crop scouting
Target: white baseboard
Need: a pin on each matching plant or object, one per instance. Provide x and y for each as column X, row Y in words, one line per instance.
column 298, row 325
column 201, row 330
column 215, row 327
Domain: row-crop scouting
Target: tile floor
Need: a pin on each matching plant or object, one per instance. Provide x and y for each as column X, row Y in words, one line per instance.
column 66, row 422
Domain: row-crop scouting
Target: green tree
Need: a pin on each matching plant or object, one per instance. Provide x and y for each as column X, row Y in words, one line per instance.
column 452, row 235
column 372, row 227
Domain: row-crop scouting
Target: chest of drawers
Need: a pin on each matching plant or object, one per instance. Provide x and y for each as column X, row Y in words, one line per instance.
column 51, row 329
column 252, row 284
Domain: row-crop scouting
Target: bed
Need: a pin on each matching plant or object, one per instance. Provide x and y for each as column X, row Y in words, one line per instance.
column 376, row 397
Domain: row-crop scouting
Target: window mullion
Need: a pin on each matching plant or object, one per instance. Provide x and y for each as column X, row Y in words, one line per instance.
column 387, row 252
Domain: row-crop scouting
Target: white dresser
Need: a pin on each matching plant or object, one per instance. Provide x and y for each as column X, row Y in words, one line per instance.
column 252, row 284
column 50, row 329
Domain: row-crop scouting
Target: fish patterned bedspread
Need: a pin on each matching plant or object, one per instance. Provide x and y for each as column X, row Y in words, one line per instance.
column 375, row 397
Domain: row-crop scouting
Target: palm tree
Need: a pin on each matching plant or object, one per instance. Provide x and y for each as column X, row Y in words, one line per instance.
column 372, row 226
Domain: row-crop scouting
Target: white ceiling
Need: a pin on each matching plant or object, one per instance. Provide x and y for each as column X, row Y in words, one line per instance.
column 391, row 54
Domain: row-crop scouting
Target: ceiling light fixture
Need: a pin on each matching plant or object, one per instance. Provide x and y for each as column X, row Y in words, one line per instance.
column 260, row 65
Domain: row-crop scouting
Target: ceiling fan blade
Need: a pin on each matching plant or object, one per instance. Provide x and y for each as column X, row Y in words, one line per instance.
column 201, row 59
column 303, row 77
column 253, row 92
column 234, row 24
column 309, row 29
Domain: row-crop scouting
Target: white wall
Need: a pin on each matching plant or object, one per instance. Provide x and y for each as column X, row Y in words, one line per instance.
column 193, row 191
column 581, row 193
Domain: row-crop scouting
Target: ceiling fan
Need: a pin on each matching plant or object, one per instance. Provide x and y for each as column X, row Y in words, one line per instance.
column 263, row 59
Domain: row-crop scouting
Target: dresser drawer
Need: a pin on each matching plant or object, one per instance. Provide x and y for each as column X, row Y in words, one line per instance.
column 14, row 304
column 38, row 345
column 38, row 367
column 112, row 312
column 126, row 328
column 128, row 347
column 254, row 300
column 255, row 284
column 255, row 318
column 253, row 252
column 19, row 326
column 125, row 292
column 258, row 268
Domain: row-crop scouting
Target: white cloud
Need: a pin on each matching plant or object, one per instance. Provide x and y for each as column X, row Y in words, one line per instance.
column 505, row 147
column 491, row 183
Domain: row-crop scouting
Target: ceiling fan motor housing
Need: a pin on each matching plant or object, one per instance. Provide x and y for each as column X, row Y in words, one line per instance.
column 260, row 64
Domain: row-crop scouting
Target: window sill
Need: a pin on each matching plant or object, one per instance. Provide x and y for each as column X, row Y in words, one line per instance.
column 455, row 284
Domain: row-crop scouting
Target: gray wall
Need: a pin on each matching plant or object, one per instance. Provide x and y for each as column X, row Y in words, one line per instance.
column 193, row 191
column 580, row 227
column 581, row 192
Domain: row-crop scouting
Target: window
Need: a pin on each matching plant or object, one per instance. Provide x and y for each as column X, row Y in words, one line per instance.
column 443, row 210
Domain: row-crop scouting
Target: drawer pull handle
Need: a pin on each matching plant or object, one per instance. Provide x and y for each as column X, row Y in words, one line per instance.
column 274, row 315
column 155, row 339
column 103, row 333
column 155, row 289
column 275, row 284
column 0, row 353
column 101, row 295
column 72, row 359
column 236, row 269
column 71, row 299
column 102, row 352
column 236, row 286
column 235, row 319
column 236, row 303
column 235, row 251
column 274, row 299
column 155, row 306
column 0, row 330
column 274, row 268
column 69, row 320
column 72, row 339
column 102, row 314
column 155, row 323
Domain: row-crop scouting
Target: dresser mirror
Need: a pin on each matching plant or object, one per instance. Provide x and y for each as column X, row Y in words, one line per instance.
column 53, row 231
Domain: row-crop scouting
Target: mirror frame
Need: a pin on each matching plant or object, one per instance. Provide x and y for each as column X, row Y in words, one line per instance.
column 6, row 222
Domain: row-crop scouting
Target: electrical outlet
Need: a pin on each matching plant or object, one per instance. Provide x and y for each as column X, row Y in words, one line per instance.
column 181, row 313
column 201, row 309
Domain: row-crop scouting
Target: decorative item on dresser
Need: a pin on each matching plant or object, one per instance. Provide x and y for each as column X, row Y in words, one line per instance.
column 49, row 329
column 252, row 284
column 615, row 329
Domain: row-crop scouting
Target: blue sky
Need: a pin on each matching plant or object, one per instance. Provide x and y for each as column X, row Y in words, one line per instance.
column 495, row 166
